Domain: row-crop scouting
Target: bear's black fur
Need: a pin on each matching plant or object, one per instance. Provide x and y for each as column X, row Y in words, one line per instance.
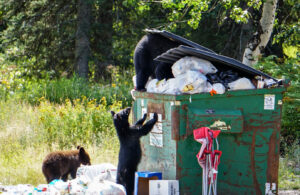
column 130, row 150
column 60, row 164
column 149, row 47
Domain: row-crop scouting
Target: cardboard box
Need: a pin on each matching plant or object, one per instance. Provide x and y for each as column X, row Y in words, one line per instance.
column 163, row 187
column 141, row 186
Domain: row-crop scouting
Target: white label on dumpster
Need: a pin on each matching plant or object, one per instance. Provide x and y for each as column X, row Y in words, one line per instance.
column 157, row 128
column 269, row 103
column 156, row 139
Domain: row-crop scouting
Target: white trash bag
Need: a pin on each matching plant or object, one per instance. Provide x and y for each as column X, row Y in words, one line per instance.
column 93, row 171
column 219, row 88
column 186, row 63
column 242, row 83
column 194, row 82
column 172, row 86
column 105, row 187
column 161, row 86
column 151, row 86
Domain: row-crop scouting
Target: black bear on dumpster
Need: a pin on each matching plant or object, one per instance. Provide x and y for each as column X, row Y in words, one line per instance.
column 130, row 150
column 60, row 164
column 149, row 47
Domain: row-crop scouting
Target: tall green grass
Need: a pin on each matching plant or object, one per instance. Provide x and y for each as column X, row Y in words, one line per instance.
column 38, row 116
column 28, row 133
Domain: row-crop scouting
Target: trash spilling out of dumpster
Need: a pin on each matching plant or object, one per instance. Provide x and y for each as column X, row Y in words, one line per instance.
column 94, row 179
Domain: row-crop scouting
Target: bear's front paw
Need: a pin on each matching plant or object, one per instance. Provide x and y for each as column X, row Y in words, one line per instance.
column 155, row 116
column 145, row 116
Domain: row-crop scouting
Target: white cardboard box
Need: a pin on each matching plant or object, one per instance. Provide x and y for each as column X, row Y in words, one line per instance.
column 163, row 187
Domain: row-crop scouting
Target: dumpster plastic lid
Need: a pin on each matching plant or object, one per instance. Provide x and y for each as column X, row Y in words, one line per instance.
column 178, row 39
column 221, row 62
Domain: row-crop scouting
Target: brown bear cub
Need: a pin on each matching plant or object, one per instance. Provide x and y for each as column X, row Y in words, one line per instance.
column 59, row 164
column 130, row 150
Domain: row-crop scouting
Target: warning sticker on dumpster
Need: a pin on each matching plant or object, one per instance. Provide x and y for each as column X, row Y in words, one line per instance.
column 156, row 134
column 156, row 139
column 269, row 102
column 157, row 128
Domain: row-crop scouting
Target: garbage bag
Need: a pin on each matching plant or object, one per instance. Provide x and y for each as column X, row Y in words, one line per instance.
column 242, row 83
column 161, row 86
column 194, row 82
column 223, row 77
column 151, row 87
column 172, row 86
column 106, row 170
column 192, row 63
column 105, row 188
column 219, row 88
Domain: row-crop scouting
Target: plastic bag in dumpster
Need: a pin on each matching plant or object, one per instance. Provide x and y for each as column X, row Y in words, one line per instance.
column 219, row 88
column 242, row 83
column 151, row 86
column 195, row 82
column 190, row 82
column 223, row 77
column 192, row 63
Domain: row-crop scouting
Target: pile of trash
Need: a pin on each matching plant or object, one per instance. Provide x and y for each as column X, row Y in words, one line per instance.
column 94, row 179
column 194, row 75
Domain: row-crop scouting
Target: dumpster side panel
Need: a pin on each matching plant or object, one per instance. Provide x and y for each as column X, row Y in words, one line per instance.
column 158, row 147
column 249, row 159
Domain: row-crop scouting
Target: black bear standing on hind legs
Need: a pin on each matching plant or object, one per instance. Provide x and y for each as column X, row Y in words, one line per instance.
column 149, row 47
column 130, row 150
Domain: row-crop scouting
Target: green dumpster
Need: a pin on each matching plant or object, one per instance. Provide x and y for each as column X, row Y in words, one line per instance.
column 250, row 123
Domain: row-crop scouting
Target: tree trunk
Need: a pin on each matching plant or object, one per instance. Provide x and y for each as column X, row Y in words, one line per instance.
column 106, row 21
column 258, row 42
column 82, row 50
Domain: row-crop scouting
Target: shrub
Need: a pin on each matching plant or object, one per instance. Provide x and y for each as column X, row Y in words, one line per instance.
column 80, row 121
column 288, row 68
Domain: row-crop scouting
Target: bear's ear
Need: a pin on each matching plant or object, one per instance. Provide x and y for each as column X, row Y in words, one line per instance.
column 112, row 113
column 78, row 147
column 81, row 150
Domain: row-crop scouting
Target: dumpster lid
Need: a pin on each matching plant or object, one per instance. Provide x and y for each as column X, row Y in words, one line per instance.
column 178, row 39
column 221, row 62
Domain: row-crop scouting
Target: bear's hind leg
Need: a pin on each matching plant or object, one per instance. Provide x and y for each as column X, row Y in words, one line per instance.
column 141, row 80
column 73, row 173
column 65, row 177
column 129, row 182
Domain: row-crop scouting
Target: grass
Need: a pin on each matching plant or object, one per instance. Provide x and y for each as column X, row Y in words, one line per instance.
column 23, row 146
column 289, row 168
